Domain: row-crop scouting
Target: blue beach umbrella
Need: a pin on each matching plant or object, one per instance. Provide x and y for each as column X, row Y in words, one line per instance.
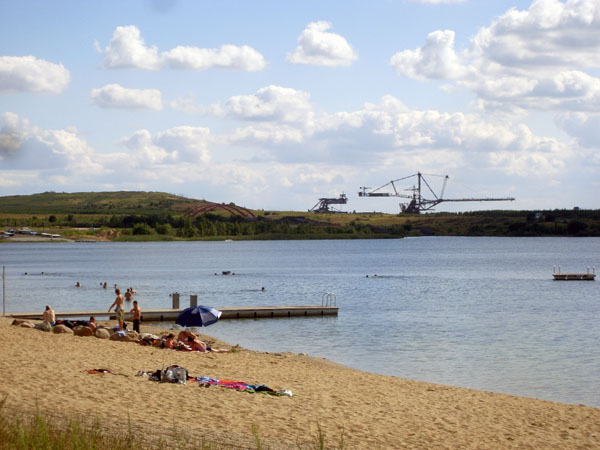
column 198, row 316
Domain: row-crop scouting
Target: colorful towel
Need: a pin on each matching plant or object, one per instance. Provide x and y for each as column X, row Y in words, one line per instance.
column 240, row 386
column 98, row 371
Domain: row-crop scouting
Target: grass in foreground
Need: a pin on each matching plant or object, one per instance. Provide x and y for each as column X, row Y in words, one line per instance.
column 41, row 432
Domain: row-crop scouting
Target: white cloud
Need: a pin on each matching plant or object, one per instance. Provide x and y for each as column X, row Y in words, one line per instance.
column 188, row 105
column 389, row 131
column 273, row 103
column 550, row 34
column 128, row 50
column 532, row 59
column 12, row 135
column 527, row 164
column 436, row 59
column 243, row 58
column 69, row 146
column 403, row 129
column 190, row 143
column 319, row 47
column 147, row 152
column 176, row 145
column 272, row 134
column 582, row 126
column 568, row 90
column 29, row 74
column 27, row 147
column 117, row 96
column 12, row 179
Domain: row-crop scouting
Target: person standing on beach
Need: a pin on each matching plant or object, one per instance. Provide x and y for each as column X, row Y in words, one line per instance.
column 137, row 316
column 118, row 304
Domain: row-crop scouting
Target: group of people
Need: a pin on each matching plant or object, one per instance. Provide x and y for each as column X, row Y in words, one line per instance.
column 186, row 341
column 49, row 316
column 135, row 311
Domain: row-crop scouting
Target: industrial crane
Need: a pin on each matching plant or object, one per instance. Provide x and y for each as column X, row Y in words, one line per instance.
column 417, row 202
column 323, row 204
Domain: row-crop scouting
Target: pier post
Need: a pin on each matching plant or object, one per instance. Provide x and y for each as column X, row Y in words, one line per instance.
column 175, row 296
column 193, row 300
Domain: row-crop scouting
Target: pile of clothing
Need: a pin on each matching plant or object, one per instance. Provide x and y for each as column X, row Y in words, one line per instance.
column 172, row 374
column 177, row 374
column 241, row 386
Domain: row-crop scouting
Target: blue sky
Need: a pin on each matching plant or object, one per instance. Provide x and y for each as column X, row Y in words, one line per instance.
column 275, row 104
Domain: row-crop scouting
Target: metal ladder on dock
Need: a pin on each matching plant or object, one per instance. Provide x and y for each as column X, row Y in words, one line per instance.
column 329, row 299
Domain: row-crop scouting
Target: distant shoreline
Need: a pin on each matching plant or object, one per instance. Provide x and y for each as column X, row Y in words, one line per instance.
column 25, row 238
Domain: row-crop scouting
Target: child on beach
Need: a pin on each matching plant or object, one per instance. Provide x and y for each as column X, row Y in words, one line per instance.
column 137, row 316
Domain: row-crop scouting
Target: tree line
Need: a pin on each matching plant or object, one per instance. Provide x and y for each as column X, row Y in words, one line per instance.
column 488, row 223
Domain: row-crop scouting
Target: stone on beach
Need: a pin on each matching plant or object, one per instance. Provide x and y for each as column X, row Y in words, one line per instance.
column 82, row 330
column 43, row 326
column 102, row 333
column 61, row 329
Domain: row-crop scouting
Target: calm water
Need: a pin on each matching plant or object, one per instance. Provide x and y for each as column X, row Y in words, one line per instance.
column 482, row 313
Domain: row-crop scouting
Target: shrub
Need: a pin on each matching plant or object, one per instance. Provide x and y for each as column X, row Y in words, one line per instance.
column 142, row 228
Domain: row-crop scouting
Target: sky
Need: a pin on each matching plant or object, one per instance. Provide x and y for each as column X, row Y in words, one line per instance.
column 275, row 104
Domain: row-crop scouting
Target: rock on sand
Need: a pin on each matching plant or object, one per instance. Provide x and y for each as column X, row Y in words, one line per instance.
column 102, row 333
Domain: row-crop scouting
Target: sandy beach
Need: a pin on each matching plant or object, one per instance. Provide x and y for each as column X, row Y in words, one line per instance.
column 49, row 372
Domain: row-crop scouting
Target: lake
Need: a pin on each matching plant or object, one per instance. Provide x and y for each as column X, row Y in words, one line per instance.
column 481, row 313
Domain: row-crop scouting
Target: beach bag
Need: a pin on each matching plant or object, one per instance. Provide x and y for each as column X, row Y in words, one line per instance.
column 174, row 374
column 166, row 376
column 180, row 374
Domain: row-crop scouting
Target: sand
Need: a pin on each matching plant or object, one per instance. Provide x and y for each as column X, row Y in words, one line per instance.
column 49, row 372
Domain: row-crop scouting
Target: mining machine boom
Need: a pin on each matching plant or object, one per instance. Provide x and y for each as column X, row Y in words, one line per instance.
column 417, row 202
column 324, row 203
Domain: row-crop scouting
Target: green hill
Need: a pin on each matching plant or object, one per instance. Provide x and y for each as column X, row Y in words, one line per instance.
column 121, row 202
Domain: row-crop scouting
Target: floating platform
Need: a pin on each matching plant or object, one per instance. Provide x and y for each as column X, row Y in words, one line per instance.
column 574, row 276
column 170, row 314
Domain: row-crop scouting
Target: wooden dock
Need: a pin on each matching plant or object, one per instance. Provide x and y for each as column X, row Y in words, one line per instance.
column 574, row 276
column 170, row 314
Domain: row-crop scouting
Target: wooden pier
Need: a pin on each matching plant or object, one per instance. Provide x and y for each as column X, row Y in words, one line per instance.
column 588, row 276
column 574, row 276
column 170, row 314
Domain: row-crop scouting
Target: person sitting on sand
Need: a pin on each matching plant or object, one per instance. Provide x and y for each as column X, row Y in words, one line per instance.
column 49, row 315
column 92, row 323
column 184, row 335
column 118, row 304
column 169, row 341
